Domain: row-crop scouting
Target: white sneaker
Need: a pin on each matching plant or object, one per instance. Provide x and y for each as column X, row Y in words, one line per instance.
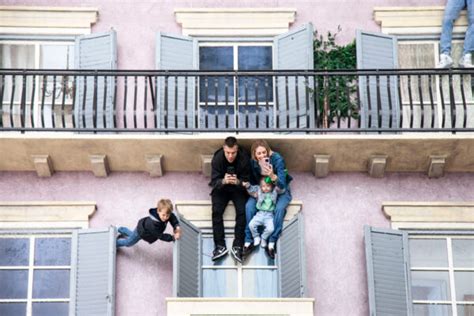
column 271, row 245
column 445, row 61
column 466, row 61
column 256, row 241
column 263, row 244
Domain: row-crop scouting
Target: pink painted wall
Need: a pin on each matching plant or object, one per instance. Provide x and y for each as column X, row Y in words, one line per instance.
column 137, row 22
column 335, row 209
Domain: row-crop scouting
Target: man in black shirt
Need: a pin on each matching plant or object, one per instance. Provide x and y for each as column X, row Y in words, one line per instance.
column 230, row 167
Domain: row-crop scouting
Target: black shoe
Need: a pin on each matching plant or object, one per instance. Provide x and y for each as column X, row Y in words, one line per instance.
column 219, row 252
column 248, row 250
column 270, row 252
column 237, row 253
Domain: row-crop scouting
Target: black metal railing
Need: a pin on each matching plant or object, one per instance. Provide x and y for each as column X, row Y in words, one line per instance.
column 351, row 101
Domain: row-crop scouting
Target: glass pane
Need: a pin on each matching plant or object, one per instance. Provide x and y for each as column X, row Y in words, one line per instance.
column 17, row 56
column 432, row 310
column 208, row 247
column 260, row 283
column 255, row 58
column 258, row 257
column 216, row 58
column 219, row 282
column 12, row 309
column 55, row 56
column 14, row 252
column 53, row 251
column 465, row 310
column 464, row 283
column 14, row 284
column 428, row 253
column 47, row 309
column 463, row 253
column 51, row 284
column 430, row 286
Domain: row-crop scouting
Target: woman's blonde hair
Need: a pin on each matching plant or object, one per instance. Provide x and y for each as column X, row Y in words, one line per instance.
column 165, row 204
column 258, row 143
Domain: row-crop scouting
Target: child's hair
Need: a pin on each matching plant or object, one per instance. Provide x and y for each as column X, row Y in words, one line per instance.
column 165, row 204
column 266, row 180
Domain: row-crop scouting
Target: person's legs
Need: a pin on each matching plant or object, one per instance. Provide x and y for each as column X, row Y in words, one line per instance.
column 256, row 221
column 279, row 214
column 451, row 13
column 268, row 225
column 469, row 37
column 131, row 239
column 250, row 210
column 124, row 231
column 239, row 197
column 220, row 198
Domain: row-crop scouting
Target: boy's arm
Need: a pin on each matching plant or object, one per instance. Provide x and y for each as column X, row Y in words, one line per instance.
column 175, row 223
column 167, row 237
column 253, row 190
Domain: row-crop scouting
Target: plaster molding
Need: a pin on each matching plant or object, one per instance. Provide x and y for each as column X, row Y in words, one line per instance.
column 20, row 215
column 47, row 20
column 230, row 22
column 415, row 20
column 430, row 215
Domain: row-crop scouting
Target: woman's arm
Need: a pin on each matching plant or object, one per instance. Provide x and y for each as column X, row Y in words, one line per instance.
column 278, row 174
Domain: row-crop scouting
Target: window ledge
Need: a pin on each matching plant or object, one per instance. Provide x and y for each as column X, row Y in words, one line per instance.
column 245, row 22
column 240, row 306
column 430, row 215
column 22, row 215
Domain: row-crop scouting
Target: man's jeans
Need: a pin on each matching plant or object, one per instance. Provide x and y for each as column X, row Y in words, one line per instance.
column 279, row 215
column 265, row 219
column 451, row 13
column 131, row 237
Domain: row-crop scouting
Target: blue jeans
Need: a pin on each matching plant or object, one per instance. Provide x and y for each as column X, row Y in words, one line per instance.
column 278, row 215
column 264, row 219
column 131, row 237
column 451, row 13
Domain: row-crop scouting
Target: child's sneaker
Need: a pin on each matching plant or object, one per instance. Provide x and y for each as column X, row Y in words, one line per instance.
column 466, row 61
column 445, row 61
column 256, row 241
column 263, row 244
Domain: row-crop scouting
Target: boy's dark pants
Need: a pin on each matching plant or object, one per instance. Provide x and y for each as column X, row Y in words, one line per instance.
column 220, row 199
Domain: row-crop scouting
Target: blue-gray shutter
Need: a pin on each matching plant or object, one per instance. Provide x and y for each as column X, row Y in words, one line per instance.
column 294, row 51
column 95, row 52
column 187, row 261
column 291, row 259
column 378, row 51
column 388, row 273
column 93, row 272
column 174, row 52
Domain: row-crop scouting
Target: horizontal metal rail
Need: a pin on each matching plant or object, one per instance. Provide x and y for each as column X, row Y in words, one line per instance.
column 280, row 101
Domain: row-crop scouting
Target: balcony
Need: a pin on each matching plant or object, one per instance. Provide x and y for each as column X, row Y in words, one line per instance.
column 311, row 102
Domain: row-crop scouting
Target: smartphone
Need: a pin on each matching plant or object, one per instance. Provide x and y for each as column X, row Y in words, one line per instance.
column 230, row 170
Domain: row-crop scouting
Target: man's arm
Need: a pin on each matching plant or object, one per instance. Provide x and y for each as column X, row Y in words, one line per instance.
column 217, row 175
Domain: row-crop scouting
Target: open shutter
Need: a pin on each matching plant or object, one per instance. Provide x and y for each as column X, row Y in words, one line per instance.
column 294, row 51
column 379, row 108
column 93, row 272
column 95, row 95
column 176, row 94
column 187, row 261
column 388, row 274
column 291, row 259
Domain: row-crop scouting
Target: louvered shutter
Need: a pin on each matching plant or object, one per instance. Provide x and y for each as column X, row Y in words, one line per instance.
column 187, row 261
column 291, row 259
column 294, row 51
column 388, row 274
column 95, row 94
column 379, row 107
column 176, row 94
column 93, row 272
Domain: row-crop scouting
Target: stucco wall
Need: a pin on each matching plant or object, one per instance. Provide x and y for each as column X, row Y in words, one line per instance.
column 335, row 208
column 137, row 22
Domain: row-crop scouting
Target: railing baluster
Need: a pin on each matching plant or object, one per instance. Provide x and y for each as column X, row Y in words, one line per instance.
column 359, row 110
column 452, row 101
column 135, row 97
column 422, row 107
column 267, row 105
column 226, row 87
column 256, row 104
column 73, row 107
column 125, row 104
column 287, row 99
column 379, row 102
column 246, row 93
column 23, row 102
column 410, row 97
column 216, row 108
column 12, row 100
column 186, row 108
column 145, row 103
column 277, row 104
column 43, row 94
column 95, row 105
column 2, row 91
column 400, row 104
column 166, row 104
column 104, row 105
column 307, row 111
column 443, row 107
column 155, row 103
column 326, row 113
column 32, row 103
column 389, row 95
column 196, row 102
column 338, row 110
column 430, row 83
column 114, row 102
column 53, row 102
column 236, row 101
column 206, row 102
column 348, row 100
column 369, row 102
column 176, row 102
column 316, row 98
column 463, row 97
column 297, row 87
column 63, row 101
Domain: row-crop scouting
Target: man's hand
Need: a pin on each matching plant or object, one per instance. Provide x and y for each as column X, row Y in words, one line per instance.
column 246, row 184
column 177, row 233
column 230, row 179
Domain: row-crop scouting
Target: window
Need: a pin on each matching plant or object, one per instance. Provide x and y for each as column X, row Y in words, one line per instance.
column 217, row 94
column 35, row 272
column 442, row 274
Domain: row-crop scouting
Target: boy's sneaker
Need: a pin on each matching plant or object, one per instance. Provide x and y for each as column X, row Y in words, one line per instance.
column 263, row 244
column 236, row 252
column 248, row 248
column 445, row 61
column 466, row 61
column 256, row 241
column 270, row 250
column 219, row 252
